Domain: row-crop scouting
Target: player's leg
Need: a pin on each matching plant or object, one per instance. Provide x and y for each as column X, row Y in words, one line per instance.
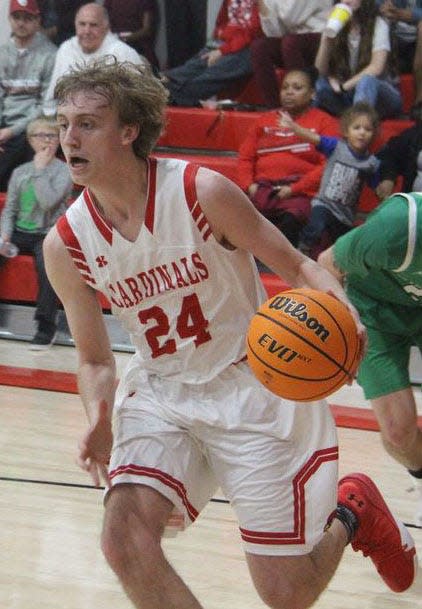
column 397, row 417
column 362, row 518
column 158, row 473
column 134, row 522
column 297, row 581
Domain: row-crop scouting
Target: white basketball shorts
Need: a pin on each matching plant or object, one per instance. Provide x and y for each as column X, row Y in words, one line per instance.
column 275, row 460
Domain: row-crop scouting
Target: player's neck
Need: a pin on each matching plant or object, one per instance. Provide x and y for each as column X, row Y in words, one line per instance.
column 122, row 201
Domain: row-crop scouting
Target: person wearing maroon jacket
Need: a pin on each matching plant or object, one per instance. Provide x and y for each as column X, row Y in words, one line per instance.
column 225, row 59
column 279, row 171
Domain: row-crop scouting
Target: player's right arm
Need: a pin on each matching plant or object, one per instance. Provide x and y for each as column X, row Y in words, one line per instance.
column 96, row 364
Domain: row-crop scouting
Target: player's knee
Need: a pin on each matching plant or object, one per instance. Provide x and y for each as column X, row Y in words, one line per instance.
column 122, row 543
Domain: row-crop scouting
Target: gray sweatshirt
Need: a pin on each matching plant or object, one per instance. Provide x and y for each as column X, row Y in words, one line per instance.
column 36, row 197
column 24, row 78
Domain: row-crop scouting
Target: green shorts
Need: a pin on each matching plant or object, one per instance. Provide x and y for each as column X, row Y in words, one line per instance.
column 392, row 331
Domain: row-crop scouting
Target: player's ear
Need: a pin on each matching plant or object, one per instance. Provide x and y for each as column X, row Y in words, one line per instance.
column 130, row 133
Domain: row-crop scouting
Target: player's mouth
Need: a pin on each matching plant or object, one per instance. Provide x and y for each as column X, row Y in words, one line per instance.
column 77, row 162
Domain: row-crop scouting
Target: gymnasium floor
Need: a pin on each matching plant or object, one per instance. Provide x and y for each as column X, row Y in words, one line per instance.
column 50, row 516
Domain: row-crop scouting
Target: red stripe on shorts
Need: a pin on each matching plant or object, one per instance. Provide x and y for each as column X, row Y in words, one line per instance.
column 150, row 472
column 297, row 536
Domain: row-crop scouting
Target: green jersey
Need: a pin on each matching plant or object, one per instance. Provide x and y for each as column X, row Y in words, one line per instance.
column 383, row 256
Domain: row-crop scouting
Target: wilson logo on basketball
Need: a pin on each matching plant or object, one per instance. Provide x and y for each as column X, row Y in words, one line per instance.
column 299, row 311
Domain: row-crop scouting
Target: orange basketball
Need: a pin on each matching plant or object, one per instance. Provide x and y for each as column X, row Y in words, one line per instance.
column 302, row 344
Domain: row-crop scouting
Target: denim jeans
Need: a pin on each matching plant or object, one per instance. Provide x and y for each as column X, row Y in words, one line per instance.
column 380, row 94
column 195, row 80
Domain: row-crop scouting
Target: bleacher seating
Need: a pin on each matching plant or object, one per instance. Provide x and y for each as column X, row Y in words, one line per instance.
column 210, row 138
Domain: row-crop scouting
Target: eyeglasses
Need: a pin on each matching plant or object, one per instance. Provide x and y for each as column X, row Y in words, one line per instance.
column 45, row 136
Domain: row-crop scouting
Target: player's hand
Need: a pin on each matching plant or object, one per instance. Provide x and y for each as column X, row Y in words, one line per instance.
column 95, row 447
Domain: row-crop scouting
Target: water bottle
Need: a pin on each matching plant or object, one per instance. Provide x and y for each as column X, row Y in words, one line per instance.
column 8, row 249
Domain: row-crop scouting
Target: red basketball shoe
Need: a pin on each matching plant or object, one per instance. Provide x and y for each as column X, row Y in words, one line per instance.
column 379, row 535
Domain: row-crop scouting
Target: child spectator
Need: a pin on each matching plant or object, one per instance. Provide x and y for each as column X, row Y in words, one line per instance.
column 349, row 166
column 36, row 197
column 279, row 171
column 26, row 65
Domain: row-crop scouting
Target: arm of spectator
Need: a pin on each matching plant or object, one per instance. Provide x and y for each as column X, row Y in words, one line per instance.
column 375, row 67
column 384, row 189
column 11, row 207
column 309, row 183
column 302, row 132
column 247, row 158
column 323, row 55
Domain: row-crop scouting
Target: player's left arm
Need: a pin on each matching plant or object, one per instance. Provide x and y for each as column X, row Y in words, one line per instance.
column 234, row 220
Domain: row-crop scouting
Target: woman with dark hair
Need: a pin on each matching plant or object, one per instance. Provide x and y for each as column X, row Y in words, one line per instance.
column 353, row 65
column 277, row 169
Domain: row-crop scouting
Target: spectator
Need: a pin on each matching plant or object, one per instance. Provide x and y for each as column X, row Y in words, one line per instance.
column 279, row 171
column 186, row 29
column 401, row 156
column 36, row 197
column 225, row 59
column 406, row 19
column 26, row 64
column 349, row 166
column 380, row 263
column 93, row 39
column 353, row 65
column 292, row 33
column 135, row 22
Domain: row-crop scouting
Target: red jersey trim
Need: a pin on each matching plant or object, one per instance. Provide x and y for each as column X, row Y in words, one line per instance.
column 73, row 247
column 297, row 536
column 103, row 226
column 173, row 483
column 152, row 187
column 198, row 215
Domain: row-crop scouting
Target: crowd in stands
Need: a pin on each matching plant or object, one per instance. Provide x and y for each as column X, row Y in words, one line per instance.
column 300, row 68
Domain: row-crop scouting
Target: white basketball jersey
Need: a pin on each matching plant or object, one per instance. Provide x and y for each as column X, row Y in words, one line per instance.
column 185, row 300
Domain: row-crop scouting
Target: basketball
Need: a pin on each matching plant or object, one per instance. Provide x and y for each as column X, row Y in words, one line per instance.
column 302, row 344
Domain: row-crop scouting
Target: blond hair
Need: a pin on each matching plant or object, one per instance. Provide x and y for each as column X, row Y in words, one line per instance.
column 46, row 122
column 138, row 96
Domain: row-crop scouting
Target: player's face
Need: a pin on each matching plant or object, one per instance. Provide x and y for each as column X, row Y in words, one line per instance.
column 360, row 133
column 91, row 137
column 295, row 93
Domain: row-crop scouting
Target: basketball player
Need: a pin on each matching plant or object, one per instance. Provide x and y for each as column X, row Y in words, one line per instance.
column 172, row 247
column 382, row 260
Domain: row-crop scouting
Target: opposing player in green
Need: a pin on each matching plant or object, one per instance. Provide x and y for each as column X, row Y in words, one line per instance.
column 381, row 265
